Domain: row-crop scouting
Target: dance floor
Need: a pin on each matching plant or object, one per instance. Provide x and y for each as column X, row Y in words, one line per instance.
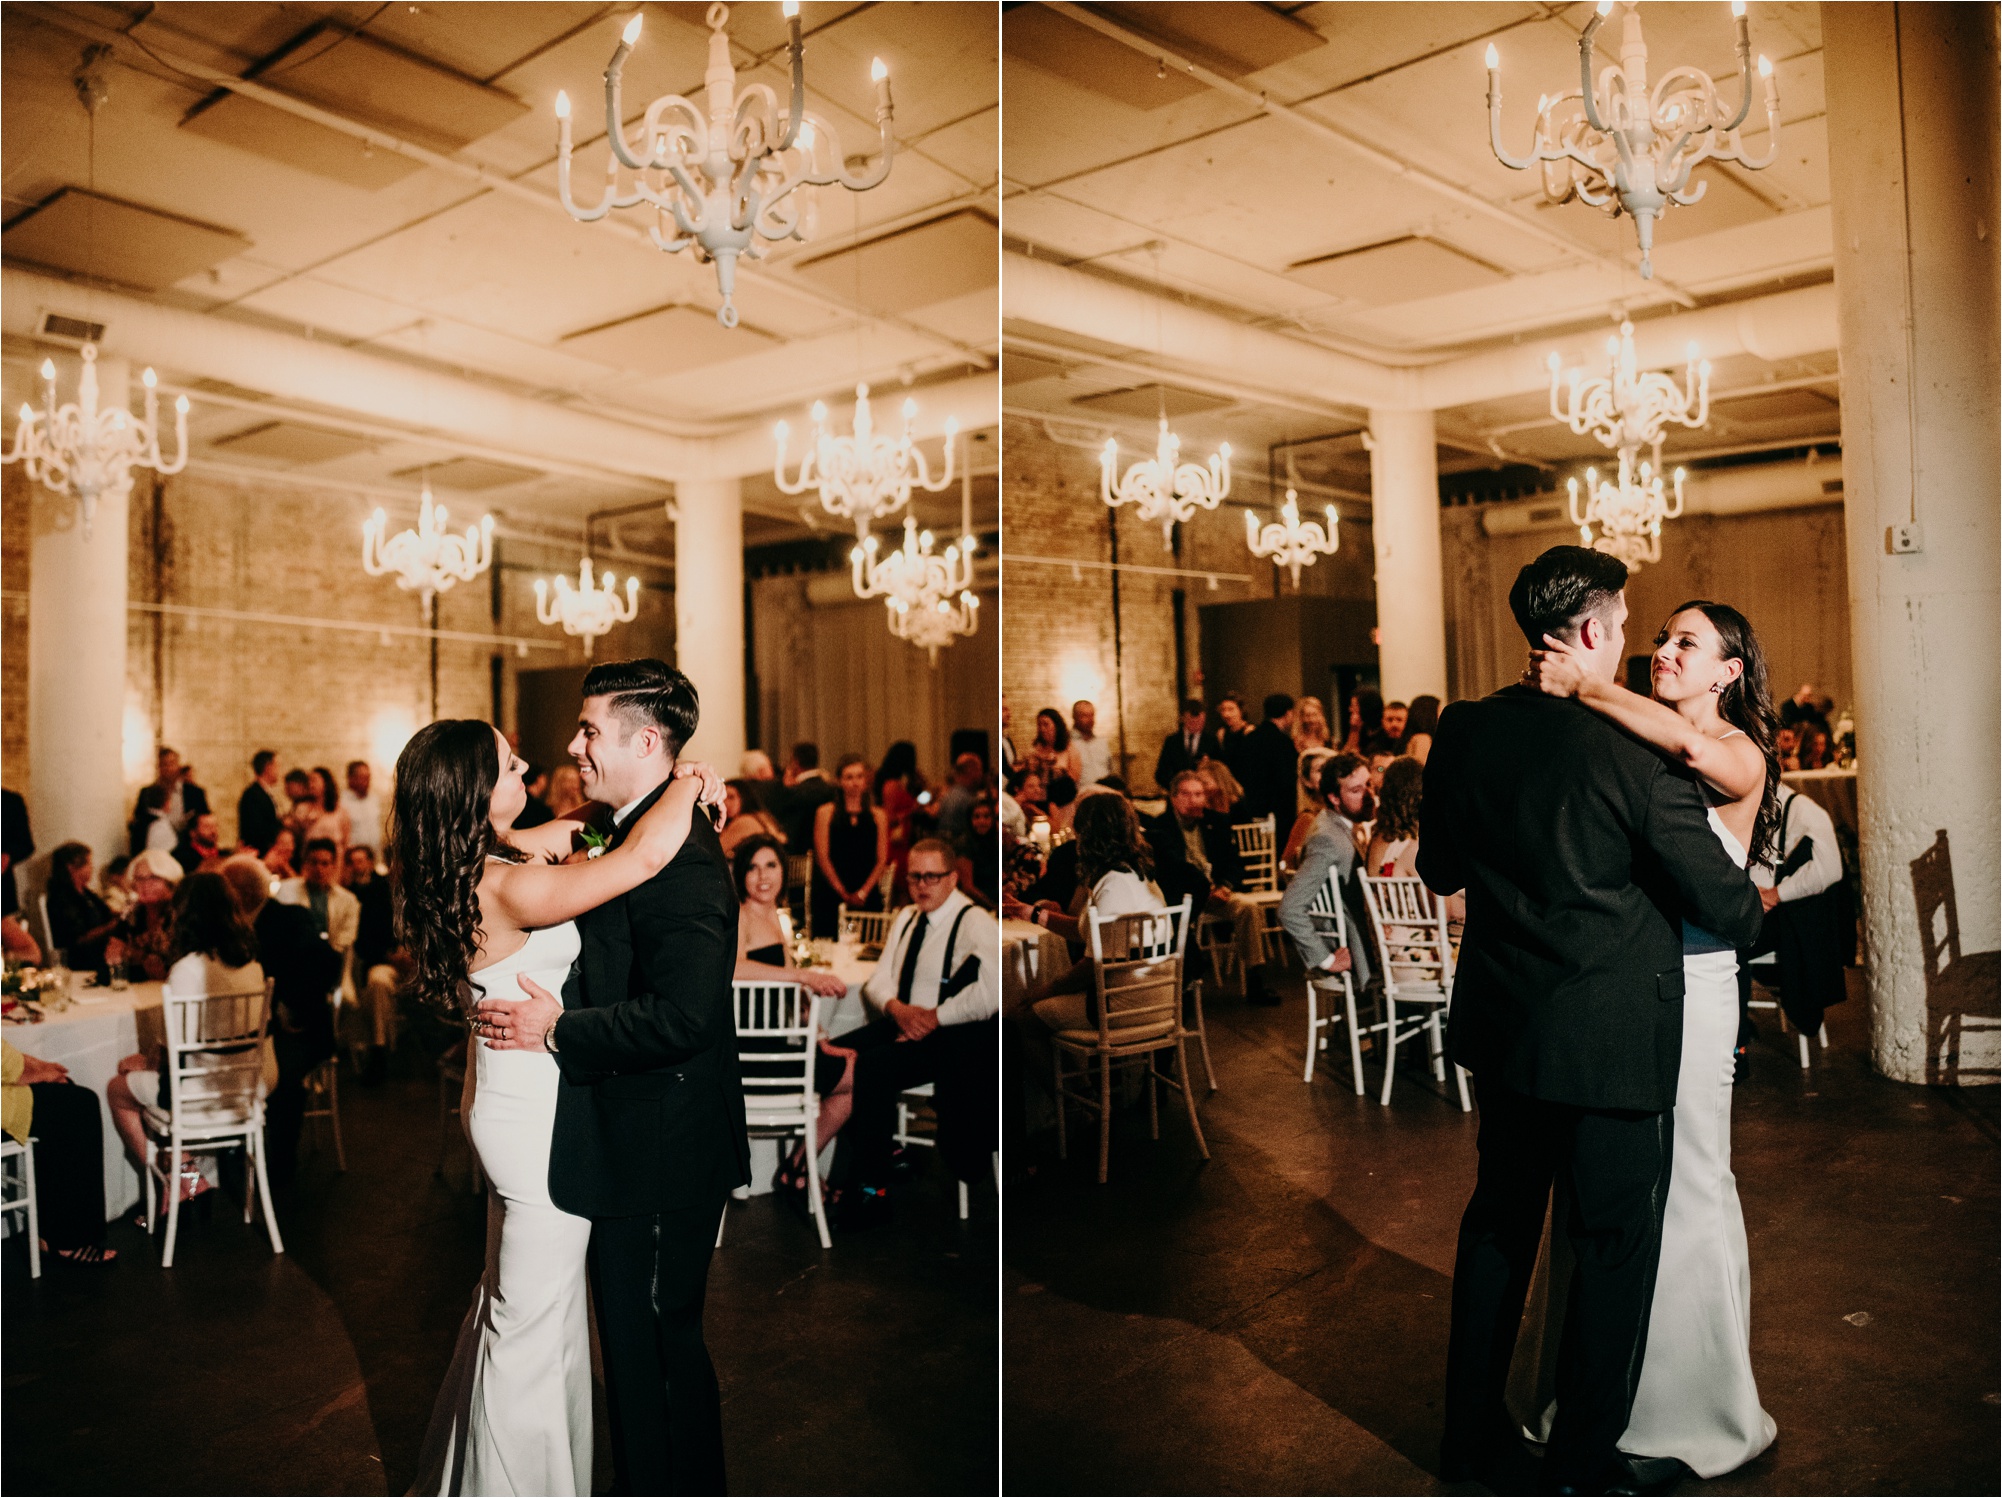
column 870, row 1369
column 1275, row 1321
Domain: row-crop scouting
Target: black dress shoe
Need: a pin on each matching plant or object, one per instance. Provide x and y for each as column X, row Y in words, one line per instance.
column 1649, row 1474
column 1264, row 997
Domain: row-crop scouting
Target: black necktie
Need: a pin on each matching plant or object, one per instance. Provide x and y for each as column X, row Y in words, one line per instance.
column 909, row 972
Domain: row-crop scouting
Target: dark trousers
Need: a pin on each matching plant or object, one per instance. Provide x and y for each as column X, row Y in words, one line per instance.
column 1616, row 1165
column 648, row 1277
column 69, row 1164
column 885, row 1066
column 285, row 1107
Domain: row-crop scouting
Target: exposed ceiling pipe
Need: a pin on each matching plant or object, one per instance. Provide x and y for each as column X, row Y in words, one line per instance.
column 486, row 177
column 1376, row 155
column 423, row 403
column 1788, row 324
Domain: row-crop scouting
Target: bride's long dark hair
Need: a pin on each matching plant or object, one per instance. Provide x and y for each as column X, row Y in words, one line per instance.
column 1746, row 704
column 440, row 838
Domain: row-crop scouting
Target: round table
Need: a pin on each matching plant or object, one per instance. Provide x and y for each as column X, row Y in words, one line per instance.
column 99, row 1029
column 1834, row 789
column 1030, row 955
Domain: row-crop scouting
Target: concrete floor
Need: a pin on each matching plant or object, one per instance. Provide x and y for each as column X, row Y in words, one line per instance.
column 1275, row 1321
column 868, row 1369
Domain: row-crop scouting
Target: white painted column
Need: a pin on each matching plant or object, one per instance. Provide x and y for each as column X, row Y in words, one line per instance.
column 1410, row 586
column 709, row 611
column 1915, row 276
column 76, row 656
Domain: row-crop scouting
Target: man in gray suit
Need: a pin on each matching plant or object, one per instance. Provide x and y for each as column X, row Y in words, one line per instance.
column 1344, row 786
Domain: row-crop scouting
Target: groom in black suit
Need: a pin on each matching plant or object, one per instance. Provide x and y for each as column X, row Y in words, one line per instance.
column 1580, row 851
column 650, row 1137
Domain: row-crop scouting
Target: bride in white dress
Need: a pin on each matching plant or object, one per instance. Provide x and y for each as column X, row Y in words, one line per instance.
column 1697, row 1400
column 481, row 906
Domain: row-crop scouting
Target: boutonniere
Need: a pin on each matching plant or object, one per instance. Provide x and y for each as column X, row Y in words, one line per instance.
column 595, row 842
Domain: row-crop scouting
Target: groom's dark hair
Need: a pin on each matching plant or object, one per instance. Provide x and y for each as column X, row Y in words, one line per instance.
column 648, row 691
column 1561, row 587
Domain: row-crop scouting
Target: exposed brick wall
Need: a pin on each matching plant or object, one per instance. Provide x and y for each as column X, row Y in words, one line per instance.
column 1059, row 637
column 14, row 556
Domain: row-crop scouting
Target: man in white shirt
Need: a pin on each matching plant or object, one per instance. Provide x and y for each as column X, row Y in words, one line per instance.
column 1094, row 754
column 937, row 992
column 335, row 911
column 1804, row 924
column 364, row 811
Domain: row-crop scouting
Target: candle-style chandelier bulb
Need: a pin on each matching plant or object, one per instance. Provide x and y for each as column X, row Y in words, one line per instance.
column 868, row 475
column 929, row 598
column 428, row 560
column 1163, row 487
column 723, row 176
column 589, row 609
column 1288, row 541
column 87, row 452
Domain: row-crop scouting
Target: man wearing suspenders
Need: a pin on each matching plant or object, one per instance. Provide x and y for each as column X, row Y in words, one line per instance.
column 936, row 998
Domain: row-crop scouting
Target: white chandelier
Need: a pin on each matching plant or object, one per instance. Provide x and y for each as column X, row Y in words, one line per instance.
column 1289, row 542
column 1628, row 513
column 868, row 476
column 1163, row 486
column 427, row 560
column 591, row 608
column 751, row 158
column 86, row 452
column 1618, row 146
column 1627, row 408
column 929, row 598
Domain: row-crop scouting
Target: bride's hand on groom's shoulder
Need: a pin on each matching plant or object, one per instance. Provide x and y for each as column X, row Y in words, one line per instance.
column 711, row 793
column 1556, row 671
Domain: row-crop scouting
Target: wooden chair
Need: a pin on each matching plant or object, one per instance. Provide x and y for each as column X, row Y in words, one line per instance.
column 779, row 1100
column 1409, row 923
column 1331, row 925
column 1137, row 980
column 17, row 1194
column 214, row 1090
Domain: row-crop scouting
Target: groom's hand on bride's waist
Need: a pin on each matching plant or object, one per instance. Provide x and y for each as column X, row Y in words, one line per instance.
column 518, row 1024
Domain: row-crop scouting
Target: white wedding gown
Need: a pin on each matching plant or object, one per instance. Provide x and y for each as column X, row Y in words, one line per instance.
column 1697, row 1399
column 514, row 1416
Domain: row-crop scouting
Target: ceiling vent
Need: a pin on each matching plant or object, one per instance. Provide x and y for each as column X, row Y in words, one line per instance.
column 665, row 340
column 60, row 327
column 1150, row 401
column 916, row 267
column 1408, row 269
column 364, row 80
column 87, row 234
column 469, row 473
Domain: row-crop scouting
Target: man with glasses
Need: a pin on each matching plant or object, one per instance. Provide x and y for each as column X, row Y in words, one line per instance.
column 936, row 995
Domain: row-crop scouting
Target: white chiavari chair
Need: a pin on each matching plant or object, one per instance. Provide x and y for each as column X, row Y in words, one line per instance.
column 1409, row 923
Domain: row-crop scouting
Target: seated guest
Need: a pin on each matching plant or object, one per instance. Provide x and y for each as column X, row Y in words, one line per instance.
column 213, row 952
column 82, row 924
column 1033, row 797
column 278, row 857
column 259, row 813
column 1805, row 925
column 851, row 848
column 1419, row 726
column 1014, row 821
column 1814, row 752
column 756, row 765
column 15, row 942
column 38, row 1097
column 1786, row 748
column 378, row 967
column 1060, row 803
column 336, row 913
column 763, row 956
column 1187, row 747
column 17, row 842
column 1226, row 794
column 149, row 925
column 304, row 970
column 1392, row 850
column 980, row 855
column 566, row 794
column 1196, row 854
column 535, row 810
column 114, row 884
column 745, row 817
column 1310, row 802
column 200, row 846
column 1114, row 878
column 1344, row 790
column 1380, row 761
column 937, row 992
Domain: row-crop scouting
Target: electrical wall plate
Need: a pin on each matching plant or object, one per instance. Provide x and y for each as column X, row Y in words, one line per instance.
column 1906, row 539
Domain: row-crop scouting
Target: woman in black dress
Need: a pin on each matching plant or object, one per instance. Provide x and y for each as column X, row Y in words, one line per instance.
column 851, row 848
column 763, row 957
column 83, row 929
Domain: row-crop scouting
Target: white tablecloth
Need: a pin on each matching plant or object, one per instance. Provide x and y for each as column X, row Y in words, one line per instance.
column 90, row 1038
column 1030, row 955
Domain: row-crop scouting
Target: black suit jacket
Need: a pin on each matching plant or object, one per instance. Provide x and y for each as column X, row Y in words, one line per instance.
column 1175, row 758
column 257, row 821
column 794, row 806
column 1580, row 850
column 1172, row 869
column 194, row 802
column 650, row 1112
column 303, row 970
column 1269, row 767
